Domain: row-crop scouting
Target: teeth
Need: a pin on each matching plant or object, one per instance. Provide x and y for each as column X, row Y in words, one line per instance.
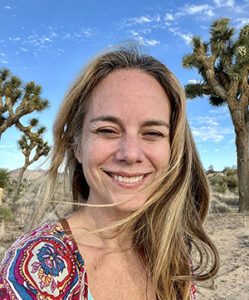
column 128, row 179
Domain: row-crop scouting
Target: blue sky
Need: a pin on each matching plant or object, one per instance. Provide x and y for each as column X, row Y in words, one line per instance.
column 48, row 41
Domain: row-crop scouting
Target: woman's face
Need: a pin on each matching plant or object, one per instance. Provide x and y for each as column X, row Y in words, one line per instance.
column 125, row 138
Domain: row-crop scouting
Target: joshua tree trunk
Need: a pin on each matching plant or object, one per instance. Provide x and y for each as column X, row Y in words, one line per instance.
column 19, row 181
column 242, row 146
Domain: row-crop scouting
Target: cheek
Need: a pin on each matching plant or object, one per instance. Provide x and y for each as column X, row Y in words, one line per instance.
column 94, row 155
column 161, row 157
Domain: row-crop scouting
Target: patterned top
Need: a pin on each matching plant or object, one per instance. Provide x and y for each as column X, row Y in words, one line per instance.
column 45, row 264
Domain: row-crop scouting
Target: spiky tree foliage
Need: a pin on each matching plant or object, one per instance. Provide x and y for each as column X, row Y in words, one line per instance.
column 223, row 63
column 33, row 147
column 17, row 101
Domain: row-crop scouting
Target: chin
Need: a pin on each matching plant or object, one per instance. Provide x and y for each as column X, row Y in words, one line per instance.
column 129, row 206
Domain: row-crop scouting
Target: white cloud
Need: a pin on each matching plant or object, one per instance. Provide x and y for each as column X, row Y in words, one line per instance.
column 207, row 120
column 231, row 141
column 169, row 17
column 194, row 81
column 142, row 19
column 7, row 146
column 14, row 39
column 151, row 42
column 87, row 32
column 7, row 7
column 224, row 3
column 2, row 54
column 207, row 128
column 186, row 37
column 221, row 110
column 217, row 150
column 211, row 122
column 142, row 40
column 217, row 2
column 134, row 33
column 203, row 10
column 129, row 22
column 206, row 133
column 194, row 9
column 4, row 61
column 53, row 34
column 42, row 40
column 37, row 43
column 241, row 22
column 210, row 13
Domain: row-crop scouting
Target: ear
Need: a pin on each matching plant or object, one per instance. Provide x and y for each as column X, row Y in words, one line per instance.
column 77, row 153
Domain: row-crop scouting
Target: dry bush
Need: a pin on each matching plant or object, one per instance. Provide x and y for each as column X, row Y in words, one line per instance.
column 228, row 198
column 218, row 184
column 219, row 207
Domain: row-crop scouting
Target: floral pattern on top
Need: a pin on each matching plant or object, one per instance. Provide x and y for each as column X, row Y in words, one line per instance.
column 44, row 264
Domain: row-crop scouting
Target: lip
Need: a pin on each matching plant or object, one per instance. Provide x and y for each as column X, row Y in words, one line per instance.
column 126, row 174
column 129, row 185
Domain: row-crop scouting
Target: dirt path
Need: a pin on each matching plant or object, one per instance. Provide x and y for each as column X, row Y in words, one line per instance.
column 230, row 233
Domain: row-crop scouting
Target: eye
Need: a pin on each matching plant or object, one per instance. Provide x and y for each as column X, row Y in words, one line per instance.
column 153, row 135
column 107, row 132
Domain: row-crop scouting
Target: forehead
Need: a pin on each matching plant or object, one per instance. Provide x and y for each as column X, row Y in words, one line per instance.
column 132, row 92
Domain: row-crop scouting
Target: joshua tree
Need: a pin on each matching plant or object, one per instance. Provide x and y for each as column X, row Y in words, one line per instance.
column 4, row 179
column 31, row 143
column 17, row 100
column 223, row 63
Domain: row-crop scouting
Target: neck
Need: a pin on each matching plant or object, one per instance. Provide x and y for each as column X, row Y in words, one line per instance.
column 86, row 220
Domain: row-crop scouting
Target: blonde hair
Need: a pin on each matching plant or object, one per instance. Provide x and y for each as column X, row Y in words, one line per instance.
column 170, row 223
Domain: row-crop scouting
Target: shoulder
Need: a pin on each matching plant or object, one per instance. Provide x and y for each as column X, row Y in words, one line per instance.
column 44, row 262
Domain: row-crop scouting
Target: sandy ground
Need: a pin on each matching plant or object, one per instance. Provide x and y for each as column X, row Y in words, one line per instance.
column 230, row 233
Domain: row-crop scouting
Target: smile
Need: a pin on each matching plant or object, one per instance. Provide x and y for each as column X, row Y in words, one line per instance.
column 126, row 179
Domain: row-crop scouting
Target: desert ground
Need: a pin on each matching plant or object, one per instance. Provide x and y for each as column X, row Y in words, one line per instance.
column 230, row 233
column 228, row 229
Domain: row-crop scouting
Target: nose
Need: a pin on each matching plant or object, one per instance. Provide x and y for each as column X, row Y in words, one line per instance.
column 130, row 150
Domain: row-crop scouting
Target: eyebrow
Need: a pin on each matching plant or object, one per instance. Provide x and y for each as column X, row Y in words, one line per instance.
column 109, row 118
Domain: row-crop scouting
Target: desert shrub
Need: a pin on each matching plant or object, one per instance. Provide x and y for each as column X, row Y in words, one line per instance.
column 4, row 178
column 5, row 214
column 218, row 184
column 9, row 189
column 219, row 207
column 229, row 172
column 232, row 182
column 230, row 201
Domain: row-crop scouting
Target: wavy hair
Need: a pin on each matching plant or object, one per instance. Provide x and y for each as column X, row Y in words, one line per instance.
column 169, row 226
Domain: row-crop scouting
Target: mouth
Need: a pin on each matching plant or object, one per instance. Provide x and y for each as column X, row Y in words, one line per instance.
column 126, row 179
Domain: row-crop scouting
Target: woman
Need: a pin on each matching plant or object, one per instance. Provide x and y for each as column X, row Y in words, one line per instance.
column 141, row 191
